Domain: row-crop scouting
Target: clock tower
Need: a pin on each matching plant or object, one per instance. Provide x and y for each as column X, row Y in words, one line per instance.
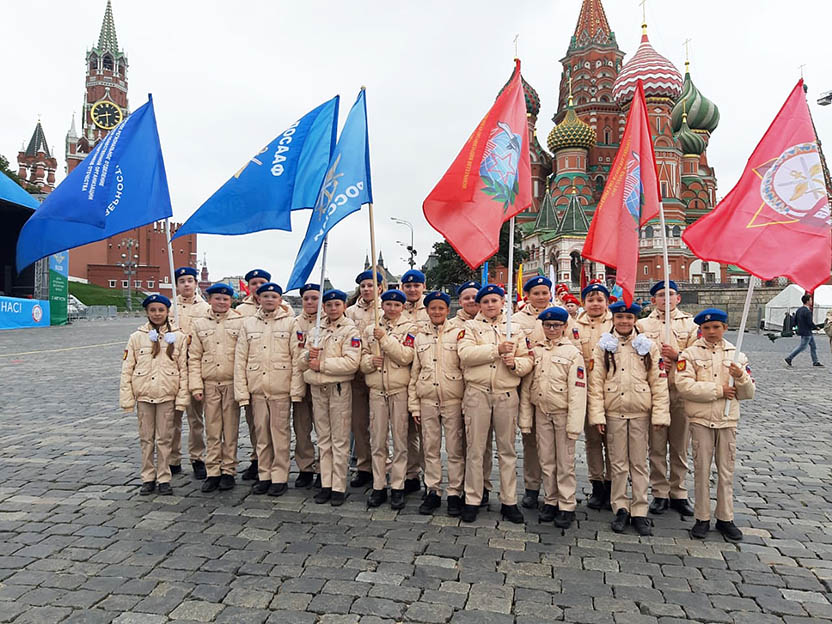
column 105, row 93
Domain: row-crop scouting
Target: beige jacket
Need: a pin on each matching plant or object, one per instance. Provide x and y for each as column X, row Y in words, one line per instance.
column 460, row 319
column 683, row 333
column 416, row 312
column 701, row 372
column 361, row 313
column 527, row 320
column 211, row 352
column 557, row 385
column 192, row 308
column 482, row 366
column 397, row 350
column 340, row 354
column 436, row 375
column 265, row 356
column 631, row 391
column 154, row 379
column 248, row 306
column 586, row 331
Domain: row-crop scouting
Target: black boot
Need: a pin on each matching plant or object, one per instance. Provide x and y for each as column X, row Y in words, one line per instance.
column 377, row 497
column 596, row 500
column 165, row 489
column 250, row 473
column 547, row 514
column 175, row 468
column 432, row 501
column 337, row 499
column 412, row 485
column 700, row 529
column 530, row 499
column 277, row 489
column 659, row 505
column 454, row 506
column 148, row 487
column 512, row 513
column 362, row 478
column 729, row 530
column 642, row 525
column 484, row 499
column 210, row 484
column 622, row 519
column 304, row 479
column 563, row 519
column 317, row 484
column 227, row 482
column 608, row 495
column 469, row 513
column 683, row 506
column 260, row 487
column 199, row 469
column 397, row 499
column 323, row 496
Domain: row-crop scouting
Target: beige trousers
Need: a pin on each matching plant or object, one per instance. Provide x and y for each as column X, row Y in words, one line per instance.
column 557, row 460
column 155, row 430
column 487, row 458
column 196, row 433
column 484, row 410
column 677, row 437
column 360, row 423
column 627, row 441
column 532, row 476
column 388, row 417
column 252, row 435
column 436, row 419
column 302, row 424
column 415, row 456
column 719, row 446
column 331, row 409
column 598, row 464
column 271, row 422
column 222, row 427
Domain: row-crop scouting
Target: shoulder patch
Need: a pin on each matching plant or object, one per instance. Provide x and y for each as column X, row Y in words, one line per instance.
column 580, row 372
column 528, row 343
column 748, row 369
column 355, row 343
column 575, row 333
column 661, row 364
column 461, row 334
column 681, row 365
column 124, row 357
column 580, row 384
column 591, row 365
column 409, row 340
column 301, row 339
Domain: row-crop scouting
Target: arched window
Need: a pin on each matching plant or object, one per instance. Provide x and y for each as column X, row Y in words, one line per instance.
column 604, row 98
column 648, row 231
column 108, row 62
column 575, row 265
column 93, row 62
column 677, row 231
column 607, row 136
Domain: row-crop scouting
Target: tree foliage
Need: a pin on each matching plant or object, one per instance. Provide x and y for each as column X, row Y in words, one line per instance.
column 4, row 168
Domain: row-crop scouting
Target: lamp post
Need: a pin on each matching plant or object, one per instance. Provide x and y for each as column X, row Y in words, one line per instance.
column 411, row 249
column 129, row 262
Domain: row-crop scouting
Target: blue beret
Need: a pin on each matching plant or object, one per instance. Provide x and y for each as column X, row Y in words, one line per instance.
column 466, row 286
column 332, row 295
column 437, row 296
column 156, row 298
column 711, row 314
column 270, row 287
column 554, row 314
column 413, row 277
column 368, row 275
column 660, row 286
column 185, row 271
column 393, row 295
column 490, row 289
column 537, row 281
column 619, row 307
column 258, row 273
column 307, row 287
column 220, row 289
column 595, row 288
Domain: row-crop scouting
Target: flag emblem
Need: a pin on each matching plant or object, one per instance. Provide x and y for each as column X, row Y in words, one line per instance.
column 498, row 169
column 681, row 365
column 409, row 340
column 793, row 185
column 528, row 343
column 355, row 343
column 575, row 333
column 580, row 372
column 633, row 188
column 301, row 338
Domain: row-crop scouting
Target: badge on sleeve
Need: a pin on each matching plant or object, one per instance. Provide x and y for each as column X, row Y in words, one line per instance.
column 461, row 334
column 580, row 384
column 681, row 365
column 580, row 372
column 124, row 357
column 575, row 333
column 409, row 340
column 301, row 339
column 662, row 368
column 528, row 344
column 591, row 365
column 355, row 343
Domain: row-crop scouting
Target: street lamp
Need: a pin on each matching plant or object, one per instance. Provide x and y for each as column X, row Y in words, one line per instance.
column 129, row 263
column 411, row 249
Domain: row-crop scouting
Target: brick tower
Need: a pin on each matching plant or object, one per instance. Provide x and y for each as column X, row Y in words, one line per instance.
column 36, row 164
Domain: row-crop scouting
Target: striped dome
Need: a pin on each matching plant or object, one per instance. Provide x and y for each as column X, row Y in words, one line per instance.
column 660, row 77
column 703, row 115
column 690, row 142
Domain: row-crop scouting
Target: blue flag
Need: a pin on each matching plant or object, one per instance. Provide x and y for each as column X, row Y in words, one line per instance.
column 345, row 189
column 12, row 192
column 285, row 175
column 121, row 185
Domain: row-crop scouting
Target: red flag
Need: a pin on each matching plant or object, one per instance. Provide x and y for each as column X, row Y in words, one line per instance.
column 775, row 221
column 630, row 199
column 488, row 183
column 244, row 287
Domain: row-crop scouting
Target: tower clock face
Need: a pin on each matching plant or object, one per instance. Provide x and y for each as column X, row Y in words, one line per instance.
column 106, row 115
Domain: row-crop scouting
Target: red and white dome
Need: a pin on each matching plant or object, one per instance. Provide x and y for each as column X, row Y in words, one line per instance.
column 660, row 76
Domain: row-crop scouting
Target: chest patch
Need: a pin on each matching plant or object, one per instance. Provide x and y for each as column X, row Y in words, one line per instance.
column 461, row 334
column 575, row 333
column 301, row 338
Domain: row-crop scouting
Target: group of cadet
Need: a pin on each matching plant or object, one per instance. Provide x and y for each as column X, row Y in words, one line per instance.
column 395, row 366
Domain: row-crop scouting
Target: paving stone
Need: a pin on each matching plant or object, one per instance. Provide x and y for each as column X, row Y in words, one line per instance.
column 196, row 610
column 377, row 606
column 425, row 612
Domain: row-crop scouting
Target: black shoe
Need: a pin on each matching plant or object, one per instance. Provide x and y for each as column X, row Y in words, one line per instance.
column 210, row 484
column 642, row 525
column 250, row 473
column 729, row 530
column 700, row 529
column 530, row 499
column 323, row 496
column 377, row 497
column 683, row 506
column 175, row 468
column 454, row 506
column 277, row 489
column 317, row 484
column 432, row 501
column 596, row 500
column 512, row 513
column 165, row 489
column 412, row 485
column 337, row 499
column 199, row 469
column 261, row 487
column 788, row 362
column 622, row 518
column 227, row 482
column 563, row 519
column 608, row 495
column 547, row 514
column 659, row 506
column 148, row 487
column 484, row 499
column 817, row 364
column 469, row 513
column 362, row 478
column 304, row 479
column 397, row 499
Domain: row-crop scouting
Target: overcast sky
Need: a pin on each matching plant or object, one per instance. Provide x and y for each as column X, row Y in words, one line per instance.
column 227, row 77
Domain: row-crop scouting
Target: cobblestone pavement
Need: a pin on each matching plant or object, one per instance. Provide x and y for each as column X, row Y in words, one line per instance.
column 77, row 543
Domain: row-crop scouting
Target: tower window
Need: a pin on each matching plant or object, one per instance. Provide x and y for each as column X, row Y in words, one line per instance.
column 93, row 63
column 108, row 62
column 607, row 136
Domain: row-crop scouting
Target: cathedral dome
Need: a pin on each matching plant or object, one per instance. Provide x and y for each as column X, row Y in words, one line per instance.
column 659, row 75
column 690, row 142
column 703, row 115
column 531, row 96
column 571, row 132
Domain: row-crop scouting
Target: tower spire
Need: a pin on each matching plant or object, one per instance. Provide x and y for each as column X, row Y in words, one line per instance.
column 107, row 40
column 592, row 22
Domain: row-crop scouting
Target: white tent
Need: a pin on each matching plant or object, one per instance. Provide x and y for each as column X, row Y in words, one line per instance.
column 788, row 300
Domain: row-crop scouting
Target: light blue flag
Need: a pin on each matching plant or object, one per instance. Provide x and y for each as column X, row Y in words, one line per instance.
column 121, row 185
column 346, row 188
column 13, row 193
column 285, row 175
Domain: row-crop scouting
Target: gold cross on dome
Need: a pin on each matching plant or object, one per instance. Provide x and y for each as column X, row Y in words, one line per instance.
column 516, row 38
column 687, row 52
column 643, row 4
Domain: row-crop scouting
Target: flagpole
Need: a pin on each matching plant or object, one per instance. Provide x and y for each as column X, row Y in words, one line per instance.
column 745, row 309
column 172, row 273
column 374, row 270
column 321, row 298
column 666, row 263
column 510, row 276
